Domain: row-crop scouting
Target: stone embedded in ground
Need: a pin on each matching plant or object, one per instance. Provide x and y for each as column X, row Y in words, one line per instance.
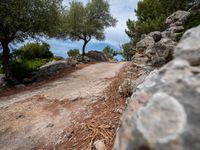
column 99, row 145
column 189, row 47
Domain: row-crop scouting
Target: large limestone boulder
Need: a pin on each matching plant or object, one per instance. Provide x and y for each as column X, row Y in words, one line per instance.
column 189, row 46
column 163, row 112
column 97, row 56
column 142, row 45
column 178, row 16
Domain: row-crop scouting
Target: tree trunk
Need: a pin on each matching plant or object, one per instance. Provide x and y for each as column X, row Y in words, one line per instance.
column 6, row 63
column 83, row 48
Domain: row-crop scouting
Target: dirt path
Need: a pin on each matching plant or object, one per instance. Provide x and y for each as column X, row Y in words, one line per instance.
column 87, row 83
column 41, row 117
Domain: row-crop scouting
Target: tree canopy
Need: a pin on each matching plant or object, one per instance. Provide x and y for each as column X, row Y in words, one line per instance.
column 128, row 51
column 109, row 52
column 84, row 22
column 20, row 19
column 73, row 53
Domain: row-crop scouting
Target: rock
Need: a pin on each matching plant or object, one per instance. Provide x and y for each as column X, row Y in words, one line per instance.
column 50, row 125
column 169, row 34
column 189, row 47
column 176, row 29
column 178, row 16
column 156, row 35
column 168, row 118
column 83, row 60
column 99, row 145
column 50, row 69
column 72, row 62
column 97, row 56
column 142, row 45
column 167, row 121
column 161, row 52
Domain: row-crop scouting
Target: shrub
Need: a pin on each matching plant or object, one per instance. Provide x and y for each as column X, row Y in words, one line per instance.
column 73, row 53
column 57, row 58
column 23, row 68
column 192, row 21
column 34, row 51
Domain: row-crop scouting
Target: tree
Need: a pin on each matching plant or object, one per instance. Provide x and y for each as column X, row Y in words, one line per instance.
column 73, row 53
column 109, row 52
column 128, row 51
column 20, row 19
column 32, row 51
column 87, row 22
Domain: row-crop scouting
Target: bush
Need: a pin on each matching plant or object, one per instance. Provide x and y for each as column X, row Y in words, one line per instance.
column 57, row 58
column 23, row 68
column 192, row 21
column 34, row 51
column 73, row 53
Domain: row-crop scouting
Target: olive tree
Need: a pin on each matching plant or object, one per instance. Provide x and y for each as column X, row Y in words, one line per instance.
column 84, row 22
column 20, row 19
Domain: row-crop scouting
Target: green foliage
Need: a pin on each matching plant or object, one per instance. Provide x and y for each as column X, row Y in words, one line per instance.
column 57, row 58
column 128, row 51
column 73, row 53
column 109, row 52
column 23, row 68
column 32, row 51
column 86, row 22
column 23, row 18
column 192, row 21
column 179, row 36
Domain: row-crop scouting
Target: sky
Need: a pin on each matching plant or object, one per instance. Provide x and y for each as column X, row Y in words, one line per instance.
column 122, row 10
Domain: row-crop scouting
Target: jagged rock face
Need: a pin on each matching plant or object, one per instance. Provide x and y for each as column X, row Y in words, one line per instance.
column 178, row 16
column 158, row 46
column 189, row 47
column 163, row 112
column 142, row 45
column 161, row 52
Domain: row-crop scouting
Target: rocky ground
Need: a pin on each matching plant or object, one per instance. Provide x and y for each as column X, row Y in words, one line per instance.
column 48, row 116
